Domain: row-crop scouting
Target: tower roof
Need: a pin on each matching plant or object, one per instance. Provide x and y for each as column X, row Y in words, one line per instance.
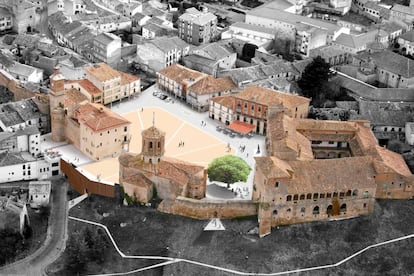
column 152, row 132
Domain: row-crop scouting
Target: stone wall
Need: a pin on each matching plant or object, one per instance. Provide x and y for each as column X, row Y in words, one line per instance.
column 204, row 209
column 20, row 93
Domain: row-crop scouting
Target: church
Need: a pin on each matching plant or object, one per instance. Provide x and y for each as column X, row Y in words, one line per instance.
column 152, row 173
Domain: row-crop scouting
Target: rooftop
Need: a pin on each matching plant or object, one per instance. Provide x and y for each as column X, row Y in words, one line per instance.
column 103, row 72
column 181, row 74
column 196, row 17
column 98, row 118
column 210, row 85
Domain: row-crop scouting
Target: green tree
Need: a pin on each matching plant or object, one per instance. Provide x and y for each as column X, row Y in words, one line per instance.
column 314, row 80
column 228, row 169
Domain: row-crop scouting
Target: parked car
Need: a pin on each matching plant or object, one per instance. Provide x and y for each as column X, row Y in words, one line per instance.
column 163, row 97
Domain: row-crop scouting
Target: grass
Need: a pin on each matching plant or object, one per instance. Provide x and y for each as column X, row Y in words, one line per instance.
column 148, row 232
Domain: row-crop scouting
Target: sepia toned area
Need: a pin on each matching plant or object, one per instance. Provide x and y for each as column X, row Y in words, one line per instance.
column 199, row 147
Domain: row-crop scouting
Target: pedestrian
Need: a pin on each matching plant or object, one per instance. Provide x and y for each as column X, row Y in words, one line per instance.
column 183, row 143
column 142, row 109
column 247, row 155
column 202, row 123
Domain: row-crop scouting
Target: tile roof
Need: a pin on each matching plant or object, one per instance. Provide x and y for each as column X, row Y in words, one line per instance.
column 392, row 62
column 73, row 97
column 210, row 85
column 103, row 72
column 212, row 51
column 226, row 101
column 89, row 87
column 196, row 17
column 127, row 78
column 254, row 28
column 22, row 69
column 356, row 41
column 269, row 11
column 271, row 97
column 181, row 74
column 14, row 158
column 106, row 38
column 393, row 162
column 99, row 118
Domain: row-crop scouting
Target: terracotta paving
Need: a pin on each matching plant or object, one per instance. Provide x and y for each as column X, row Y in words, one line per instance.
column 200, row 147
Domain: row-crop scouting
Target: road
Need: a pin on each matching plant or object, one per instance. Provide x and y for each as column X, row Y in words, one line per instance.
column 55, row 242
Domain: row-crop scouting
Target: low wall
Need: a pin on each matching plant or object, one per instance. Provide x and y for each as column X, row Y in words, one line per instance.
column 204, row 209
column 80, row 183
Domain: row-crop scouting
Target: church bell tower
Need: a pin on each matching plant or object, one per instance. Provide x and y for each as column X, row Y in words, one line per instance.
column 153, row 144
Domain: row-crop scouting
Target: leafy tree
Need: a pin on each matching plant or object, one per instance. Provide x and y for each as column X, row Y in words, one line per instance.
column 11, row 244
column 96, row 245
column 44, row 211
column 76, row 253
column 314, row 79
column 228, row 169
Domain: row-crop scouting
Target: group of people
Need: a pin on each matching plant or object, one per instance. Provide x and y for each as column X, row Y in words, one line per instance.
column 203, row 123
column 181, row 144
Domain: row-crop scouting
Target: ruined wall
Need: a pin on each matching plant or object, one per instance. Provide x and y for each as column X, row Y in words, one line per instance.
column 204, row 209
column 393, row 186
column 13, row 85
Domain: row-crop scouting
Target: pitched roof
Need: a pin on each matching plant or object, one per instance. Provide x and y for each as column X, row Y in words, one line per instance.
column 226, row 101
column 103, row 72
column 392, row 62
column 181, row 74
column 271, row 97
column 89, row 87
column 127, row 78
column 99, row 118
column 394, row 161
column 210, row 85
column 273, row 167
column 213, row 51
column 106, row 38
column 196, row 17
column 356, row 41
column 73, row 97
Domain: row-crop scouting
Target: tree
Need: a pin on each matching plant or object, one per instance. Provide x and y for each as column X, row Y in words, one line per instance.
column 314, row 79
column 11, row 244
column 228, row 169
column 76, row 250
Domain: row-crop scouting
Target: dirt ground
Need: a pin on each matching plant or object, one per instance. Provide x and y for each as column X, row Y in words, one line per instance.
column 148, row 232
column 200, row 147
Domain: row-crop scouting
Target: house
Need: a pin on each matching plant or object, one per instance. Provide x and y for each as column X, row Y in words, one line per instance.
column 354, row 44
column 141, row 174
column 107, row 49
column 319, row 170
column 6, row 20
column 197, row 27
column 157, row 54
column 151, row 31
column 200, row 93
column 130, row 9
column 285, row 23
column 39, row 193
column 256, row 35
column 402, row 13
column 406, row 42
column 114, row 84
column 176, row 80
column 332, row 54
column 390, row 69
column 250, row 107
column 211, row 58
column 222, row 109
column 139, row 19
column 18, row 166
column 26, row 73
column 308, row 37
column 22, row 114
column 277, row 70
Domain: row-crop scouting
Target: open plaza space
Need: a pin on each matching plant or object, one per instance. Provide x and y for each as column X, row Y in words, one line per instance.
column 202, row 142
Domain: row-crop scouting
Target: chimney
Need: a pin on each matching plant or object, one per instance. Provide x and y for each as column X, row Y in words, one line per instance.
column 101, row 110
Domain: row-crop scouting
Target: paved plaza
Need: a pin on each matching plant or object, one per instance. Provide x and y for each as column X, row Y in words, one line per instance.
column 202, row 143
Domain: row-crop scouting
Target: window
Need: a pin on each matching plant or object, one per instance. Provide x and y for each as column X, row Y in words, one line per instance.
column 316, row 210
column 125, row 129
column 150, row 145
column 315, row 196
column 295, row 197
column 55, row 164
column 335, row 194
column 309, row 196
column 366, row 194
column 289, row 198
column 277, row 183
column 328, row 195
column 302, row 210
column 302, row 197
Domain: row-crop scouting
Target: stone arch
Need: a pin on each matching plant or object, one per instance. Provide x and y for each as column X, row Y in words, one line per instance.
column 316, row 210
column 302, row 197
column 349, row 193
column 355, row 193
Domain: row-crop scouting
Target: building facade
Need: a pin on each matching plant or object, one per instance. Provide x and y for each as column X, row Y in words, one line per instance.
column 197, row 27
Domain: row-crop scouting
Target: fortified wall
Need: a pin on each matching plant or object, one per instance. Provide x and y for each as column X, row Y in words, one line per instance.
column 20, row 93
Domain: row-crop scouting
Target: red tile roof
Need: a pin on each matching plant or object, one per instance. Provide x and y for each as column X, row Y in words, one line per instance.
column 98, row 118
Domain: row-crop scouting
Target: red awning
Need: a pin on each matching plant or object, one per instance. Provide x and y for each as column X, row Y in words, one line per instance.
column 241, row 127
